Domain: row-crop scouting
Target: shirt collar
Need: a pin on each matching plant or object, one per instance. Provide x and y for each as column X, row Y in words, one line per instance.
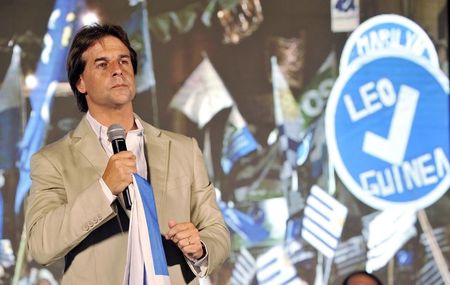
column 101, row 130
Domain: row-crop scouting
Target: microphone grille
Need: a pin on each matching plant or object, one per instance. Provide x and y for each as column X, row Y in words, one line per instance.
column 115, row 131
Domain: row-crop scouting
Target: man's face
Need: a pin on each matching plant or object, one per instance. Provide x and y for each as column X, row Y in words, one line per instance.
column 108, row 77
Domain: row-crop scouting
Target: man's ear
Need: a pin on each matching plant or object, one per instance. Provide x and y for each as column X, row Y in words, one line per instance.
column 81, row 86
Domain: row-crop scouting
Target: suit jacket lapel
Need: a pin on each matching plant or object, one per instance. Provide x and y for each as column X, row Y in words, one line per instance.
column 158, row 160
column 86, row 142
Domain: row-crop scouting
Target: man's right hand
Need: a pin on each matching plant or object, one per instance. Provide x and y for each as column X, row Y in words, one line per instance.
column 119, row 171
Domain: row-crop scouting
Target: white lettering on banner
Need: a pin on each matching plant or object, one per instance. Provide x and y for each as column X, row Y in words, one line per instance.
column 421, row 171
column 313, row 101
column 378, row 40
column 373, row 97
column 388, row 39
column 415, row 43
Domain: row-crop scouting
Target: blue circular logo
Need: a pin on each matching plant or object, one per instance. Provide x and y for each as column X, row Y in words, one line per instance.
column 387, row 129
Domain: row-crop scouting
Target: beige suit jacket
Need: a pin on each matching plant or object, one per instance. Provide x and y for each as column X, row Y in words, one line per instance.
column 68, row 216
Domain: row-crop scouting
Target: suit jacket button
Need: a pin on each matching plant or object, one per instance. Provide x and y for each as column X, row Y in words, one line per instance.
column 85, row 228
column 90, row 224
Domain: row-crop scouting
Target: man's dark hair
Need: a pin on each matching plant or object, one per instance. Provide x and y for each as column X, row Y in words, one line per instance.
column 84, row 39
column 362, row 272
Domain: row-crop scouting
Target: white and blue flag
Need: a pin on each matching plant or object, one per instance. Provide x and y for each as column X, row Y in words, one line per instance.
column 146, row 260
column 243, row 224
column 244, row 270
column 238, row 141
column 275, row 268
column 323, row 220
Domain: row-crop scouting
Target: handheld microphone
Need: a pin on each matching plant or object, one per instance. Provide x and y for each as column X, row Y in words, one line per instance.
column 116, row 135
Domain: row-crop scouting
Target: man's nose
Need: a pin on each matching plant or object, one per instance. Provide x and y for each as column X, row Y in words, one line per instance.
column 116, row 68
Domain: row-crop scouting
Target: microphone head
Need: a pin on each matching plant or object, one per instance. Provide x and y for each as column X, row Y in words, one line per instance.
column 115, row 131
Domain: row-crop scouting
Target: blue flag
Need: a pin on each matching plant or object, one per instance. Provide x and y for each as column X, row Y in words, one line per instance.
column 243, row 224
column 10, row 118
column 138, row 31
column 238, row 141
column 52, row 60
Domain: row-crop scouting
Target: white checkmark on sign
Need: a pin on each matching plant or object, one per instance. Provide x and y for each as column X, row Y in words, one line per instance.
column 392, row 149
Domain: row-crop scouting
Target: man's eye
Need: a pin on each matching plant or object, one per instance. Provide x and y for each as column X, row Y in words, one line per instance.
column 102, row 65
column 124, row 61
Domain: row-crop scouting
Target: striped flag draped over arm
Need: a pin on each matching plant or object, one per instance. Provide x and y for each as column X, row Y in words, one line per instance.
column 146, row 261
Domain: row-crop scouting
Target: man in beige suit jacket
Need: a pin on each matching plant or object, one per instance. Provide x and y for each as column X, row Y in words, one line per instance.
column 75, row 208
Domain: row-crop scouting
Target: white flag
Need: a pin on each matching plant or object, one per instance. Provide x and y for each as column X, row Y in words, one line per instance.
column 203, row 95
column 350, row 255
column 388, row 232
column 244, row 269
column 275, row 268
column 323, row 221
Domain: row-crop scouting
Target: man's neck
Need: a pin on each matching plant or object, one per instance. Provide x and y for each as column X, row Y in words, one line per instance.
column 125, row 119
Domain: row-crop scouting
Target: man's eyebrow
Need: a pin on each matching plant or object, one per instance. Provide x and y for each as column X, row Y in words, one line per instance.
column 104, row 58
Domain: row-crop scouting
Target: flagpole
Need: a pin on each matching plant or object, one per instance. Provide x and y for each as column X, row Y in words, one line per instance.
column 146, row 39
column 20, row 257
column 390, row 271
column 435, row 250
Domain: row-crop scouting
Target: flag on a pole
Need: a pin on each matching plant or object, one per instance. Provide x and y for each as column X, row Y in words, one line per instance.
column 138, row 31
column 202, row 95
column 238, row 141
column 442, row 238
column 275, row 268
column 350, row 255
column 10, row 111
column 387, row 233
column 314, row 99
column 323, row 220
column 429, row 274
column 287, row 114
column 146, row 260
column 244, row 268
column 52, row 60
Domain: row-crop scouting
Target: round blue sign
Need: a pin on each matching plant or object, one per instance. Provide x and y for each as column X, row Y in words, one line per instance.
column 388, row 33
column 387, row 129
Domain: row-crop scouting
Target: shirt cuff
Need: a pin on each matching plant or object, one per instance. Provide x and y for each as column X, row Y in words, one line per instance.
column 200, row 265
column 108, row 194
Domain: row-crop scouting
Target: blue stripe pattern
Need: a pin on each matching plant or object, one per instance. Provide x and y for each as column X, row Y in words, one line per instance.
column 148, row 201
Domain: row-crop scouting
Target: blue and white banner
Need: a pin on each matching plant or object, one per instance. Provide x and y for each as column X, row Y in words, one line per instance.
column 324, row 218
column 52, row 61
column 146, row 260
column 238, row 141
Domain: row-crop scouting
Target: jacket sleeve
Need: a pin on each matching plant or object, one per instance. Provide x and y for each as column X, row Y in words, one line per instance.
column 54, row 226
column 206, row 215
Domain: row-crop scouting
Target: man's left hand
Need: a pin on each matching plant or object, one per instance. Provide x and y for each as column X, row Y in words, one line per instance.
column 186, row 237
